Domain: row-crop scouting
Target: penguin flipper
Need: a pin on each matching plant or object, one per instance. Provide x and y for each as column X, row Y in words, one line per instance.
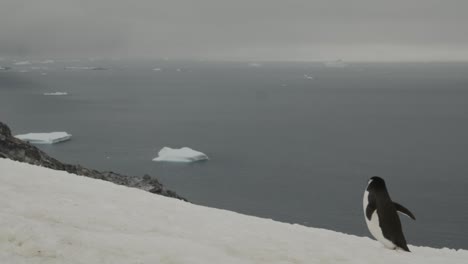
column 370, row 210
column 404, row 211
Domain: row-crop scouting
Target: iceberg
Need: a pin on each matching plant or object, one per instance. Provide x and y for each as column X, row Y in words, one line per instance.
column 335, row 64
column 84, row 68
column 56, row 93
column 44, row 138
column 308, row 77
column 254, row 64
column 180, row 155
column 23, row 63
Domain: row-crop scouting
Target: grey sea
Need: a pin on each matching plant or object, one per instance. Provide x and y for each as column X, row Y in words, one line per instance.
column 295, row 142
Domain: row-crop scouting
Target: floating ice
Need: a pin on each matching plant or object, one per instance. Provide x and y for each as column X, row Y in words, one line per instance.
column 335, row 64
column 180, row 155
column 254, row 64
column 47, row 61
column 308, row 77
column 4, row 68
column 56, row 93
column 157, row 69
column 84, row 68
column 44, row 138
column 23, row 63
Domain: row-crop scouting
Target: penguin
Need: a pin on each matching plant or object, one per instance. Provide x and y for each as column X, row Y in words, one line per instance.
column 381, row 215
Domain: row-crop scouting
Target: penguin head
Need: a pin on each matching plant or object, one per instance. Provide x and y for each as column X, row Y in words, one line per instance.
column 376, row 183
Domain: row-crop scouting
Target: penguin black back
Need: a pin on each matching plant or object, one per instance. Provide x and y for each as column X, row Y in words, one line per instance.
column 389, row 222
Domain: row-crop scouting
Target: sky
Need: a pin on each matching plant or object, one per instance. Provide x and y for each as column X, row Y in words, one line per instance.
column 292, row 30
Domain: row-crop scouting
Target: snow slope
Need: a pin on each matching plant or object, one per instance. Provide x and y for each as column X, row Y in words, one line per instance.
column 49, row 216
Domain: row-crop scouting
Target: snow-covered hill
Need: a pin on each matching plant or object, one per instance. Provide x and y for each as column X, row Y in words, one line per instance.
column 49, row 216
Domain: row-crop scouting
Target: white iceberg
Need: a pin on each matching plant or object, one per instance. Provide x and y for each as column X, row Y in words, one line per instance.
column 254, row 64
column 180, row 155
column 56, row 93
column 335, row 64
column 23, row 63
column 44, row 138
column 84, row 68
column 50, row 216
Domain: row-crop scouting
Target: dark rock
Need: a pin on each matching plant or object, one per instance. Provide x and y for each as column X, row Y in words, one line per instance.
column 15, row 149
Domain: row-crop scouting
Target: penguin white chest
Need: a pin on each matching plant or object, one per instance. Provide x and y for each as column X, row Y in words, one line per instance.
column 374, row 226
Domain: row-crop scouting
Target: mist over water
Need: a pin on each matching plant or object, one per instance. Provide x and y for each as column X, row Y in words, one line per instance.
column 281, row 145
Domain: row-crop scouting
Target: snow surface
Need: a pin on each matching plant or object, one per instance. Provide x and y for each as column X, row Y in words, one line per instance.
column 50, row 217
column 44, row 138
column 180, row 155
column 56, row 93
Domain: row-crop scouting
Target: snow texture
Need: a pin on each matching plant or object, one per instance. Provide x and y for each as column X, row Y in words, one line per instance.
column 53, row 217
column 44, row 138
column 56, row 93
column 180, row 155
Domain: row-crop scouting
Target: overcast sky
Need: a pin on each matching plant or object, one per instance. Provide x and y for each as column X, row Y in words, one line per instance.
column 237, row 29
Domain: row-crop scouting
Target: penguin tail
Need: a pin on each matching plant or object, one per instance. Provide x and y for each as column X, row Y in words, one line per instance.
column 404, row 247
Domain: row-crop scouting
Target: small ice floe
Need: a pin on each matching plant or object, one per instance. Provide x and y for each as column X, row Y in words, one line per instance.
column 157, row 69
column 56, row 93
column 309, row 77
column 4, row 68
column 254, row 64
column 335, row 64
column 47, row 61
column 44, row 138
column 43, row 73
column 39, row 68
column 84, row 68
column 23, row 63
column 180, row 155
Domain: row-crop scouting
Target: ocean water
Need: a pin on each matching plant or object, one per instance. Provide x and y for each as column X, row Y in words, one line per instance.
column 281, row 145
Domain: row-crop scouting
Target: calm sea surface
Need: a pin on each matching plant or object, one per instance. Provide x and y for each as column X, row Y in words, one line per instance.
column 282, row 145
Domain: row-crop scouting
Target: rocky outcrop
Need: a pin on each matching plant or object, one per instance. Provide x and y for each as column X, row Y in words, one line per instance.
column 15, row 149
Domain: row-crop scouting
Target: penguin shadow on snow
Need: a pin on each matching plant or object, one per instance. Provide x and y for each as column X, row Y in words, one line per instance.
column 381, row 215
